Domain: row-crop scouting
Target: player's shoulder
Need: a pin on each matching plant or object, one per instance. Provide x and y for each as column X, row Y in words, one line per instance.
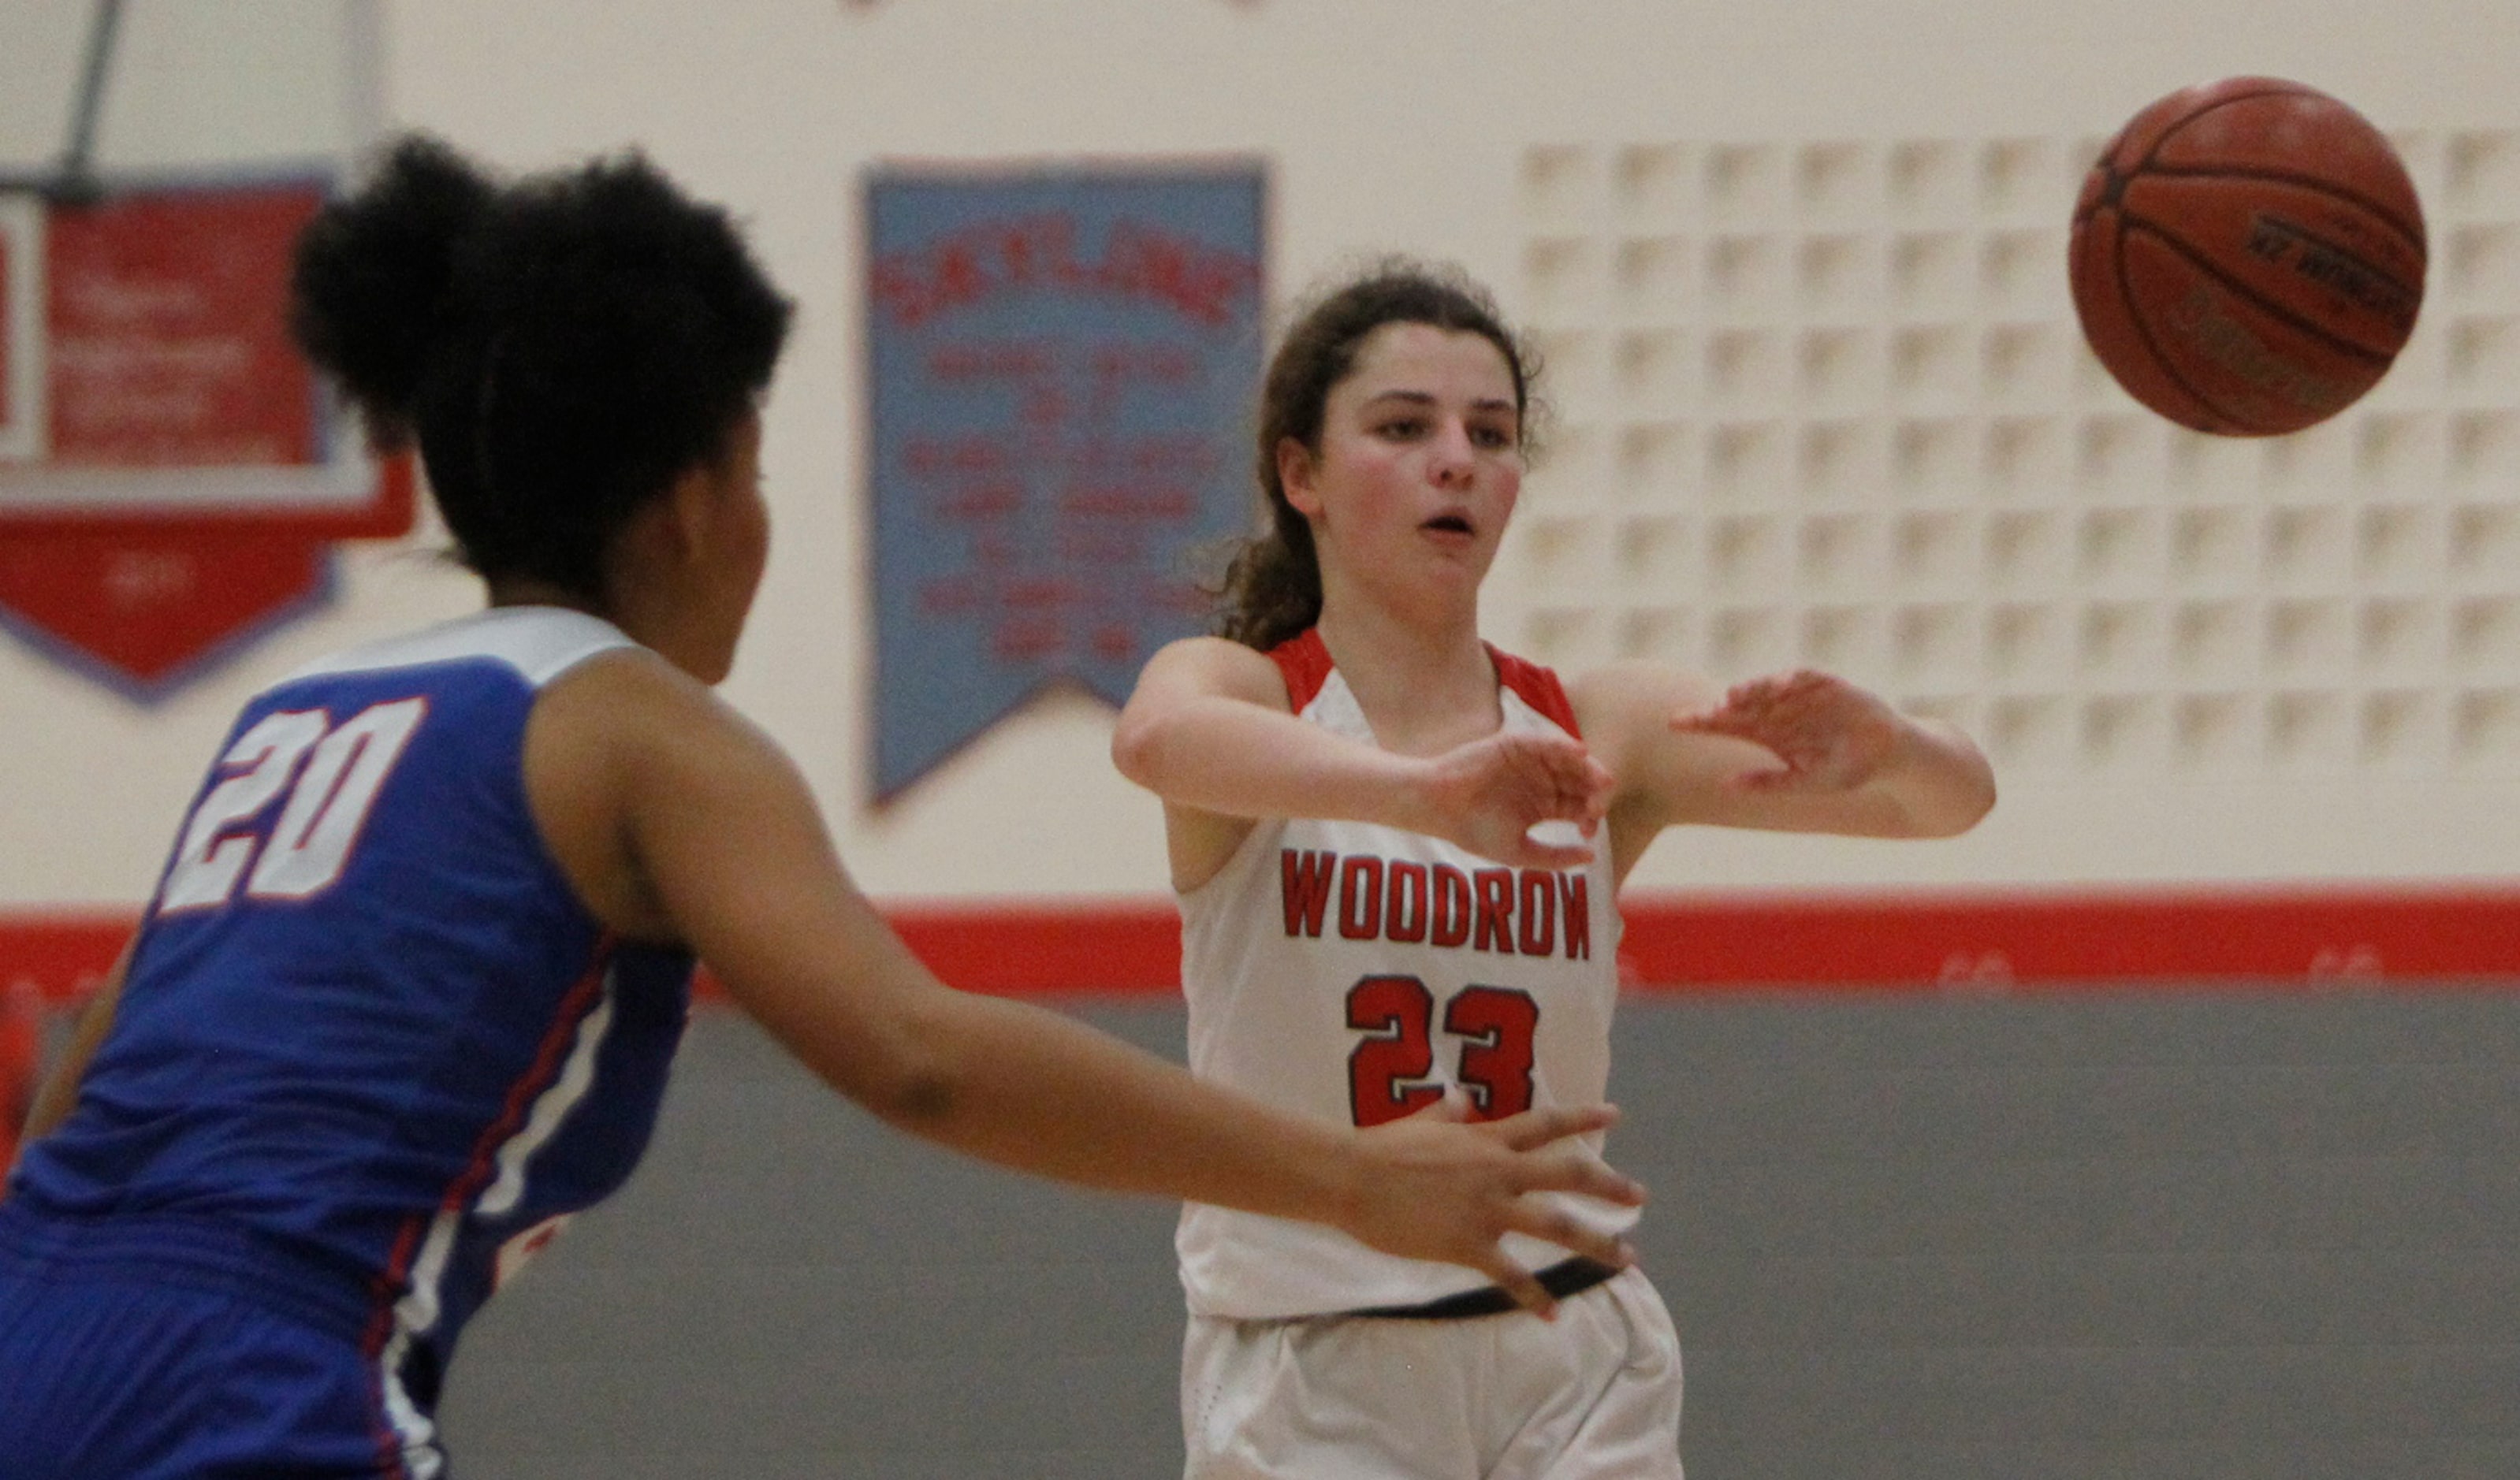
column 1220, row 666
column 630, row 695
column 616, row 743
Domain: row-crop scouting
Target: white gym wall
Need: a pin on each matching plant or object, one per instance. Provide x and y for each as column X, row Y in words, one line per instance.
column 1800, row 270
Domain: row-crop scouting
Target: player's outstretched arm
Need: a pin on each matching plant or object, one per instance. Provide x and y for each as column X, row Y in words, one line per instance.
column 1207, row 729
column 1803, row 752
column 676, row 819
column 60, row 1088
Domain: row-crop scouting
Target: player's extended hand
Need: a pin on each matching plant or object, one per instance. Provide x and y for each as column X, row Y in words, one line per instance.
column 1489, row 794
column 1827, row 734
column 1434, row 1187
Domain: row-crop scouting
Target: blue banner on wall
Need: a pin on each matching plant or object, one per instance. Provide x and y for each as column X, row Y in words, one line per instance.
column 1063, row 371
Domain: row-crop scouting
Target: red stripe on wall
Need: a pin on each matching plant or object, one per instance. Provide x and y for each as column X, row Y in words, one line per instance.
column 2167, row 936
column 1823, row 942
column 58, row 955
column 1013, row 950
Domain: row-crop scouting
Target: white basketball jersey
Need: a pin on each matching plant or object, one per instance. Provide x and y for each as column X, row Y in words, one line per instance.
column 1352, row 971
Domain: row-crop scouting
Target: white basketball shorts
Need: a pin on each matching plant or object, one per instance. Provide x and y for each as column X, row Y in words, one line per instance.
column 1593, row 1395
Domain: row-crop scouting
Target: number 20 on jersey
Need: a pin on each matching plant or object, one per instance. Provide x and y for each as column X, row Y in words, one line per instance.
column 331, row 775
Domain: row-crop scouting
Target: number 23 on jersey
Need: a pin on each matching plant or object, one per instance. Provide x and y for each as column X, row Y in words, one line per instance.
column 1388, row 1071
column 331, row 775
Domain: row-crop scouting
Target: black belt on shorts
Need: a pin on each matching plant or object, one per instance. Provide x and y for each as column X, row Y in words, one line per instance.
column 1572, row 1276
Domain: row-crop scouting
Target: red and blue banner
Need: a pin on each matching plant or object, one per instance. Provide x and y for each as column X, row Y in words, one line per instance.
column 1063, row 365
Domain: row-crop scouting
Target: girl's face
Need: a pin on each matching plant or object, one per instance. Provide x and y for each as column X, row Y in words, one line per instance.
column 1421, row 462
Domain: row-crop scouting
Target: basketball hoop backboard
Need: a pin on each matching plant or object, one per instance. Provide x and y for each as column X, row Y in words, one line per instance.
column 172, row 471
column 158, row 379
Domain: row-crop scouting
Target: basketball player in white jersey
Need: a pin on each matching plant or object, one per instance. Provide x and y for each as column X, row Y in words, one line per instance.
column 1352, row 779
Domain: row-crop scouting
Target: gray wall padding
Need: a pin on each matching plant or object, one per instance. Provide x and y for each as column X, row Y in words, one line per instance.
column 2140, row 1235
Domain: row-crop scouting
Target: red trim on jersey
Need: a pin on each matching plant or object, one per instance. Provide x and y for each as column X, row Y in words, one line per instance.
column 1537, row 687
column 1306, row 664
column 1305, row 660
column 550, row 1056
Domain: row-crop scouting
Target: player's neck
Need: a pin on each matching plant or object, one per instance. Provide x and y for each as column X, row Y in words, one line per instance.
column 1423, row 688
column 644, row 604
column 525, row 591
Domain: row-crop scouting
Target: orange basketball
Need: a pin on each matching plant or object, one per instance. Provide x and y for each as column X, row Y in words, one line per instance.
column 2248, row 256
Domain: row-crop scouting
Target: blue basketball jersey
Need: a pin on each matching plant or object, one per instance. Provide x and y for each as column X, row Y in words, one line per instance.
column 371, row 1049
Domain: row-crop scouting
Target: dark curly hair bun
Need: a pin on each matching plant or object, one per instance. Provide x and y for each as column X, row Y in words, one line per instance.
column 561, row 348
column 374, row 272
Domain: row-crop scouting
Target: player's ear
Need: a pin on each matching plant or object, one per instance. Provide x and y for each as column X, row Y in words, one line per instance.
column 711, row 501
column 1295, row 476
column 687, row 500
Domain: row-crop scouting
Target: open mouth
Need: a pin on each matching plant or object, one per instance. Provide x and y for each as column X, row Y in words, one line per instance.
column 1447, row 523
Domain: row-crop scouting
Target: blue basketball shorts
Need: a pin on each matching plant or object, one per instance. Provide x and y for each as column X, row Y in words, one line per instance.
column 107, row 1375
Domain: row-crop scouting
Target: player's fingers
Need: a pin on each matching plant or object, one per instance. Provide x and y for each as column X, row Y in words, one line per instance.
column 1533, row 1129
column 1576, row 774
column 1585, row 808
column 1539, row 855
column 1551, row 749
column 1600, row 784
column 1565, row 804
column 1517, row 1281
column 1759, row 692
column 1583, row 1174
column 1576, row 768
column 1564, row 783
column 1829, row 709
column 1555, row 1227
column 1759, row 726
column 1803, row 710
column 1793, row 680
column 1775, row 705
column 1723, row 721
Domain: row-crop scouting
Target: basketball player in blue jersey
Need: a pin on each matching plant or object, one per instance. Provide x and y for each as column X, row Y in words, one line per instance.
column 1351, row 782
column 406, row 994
